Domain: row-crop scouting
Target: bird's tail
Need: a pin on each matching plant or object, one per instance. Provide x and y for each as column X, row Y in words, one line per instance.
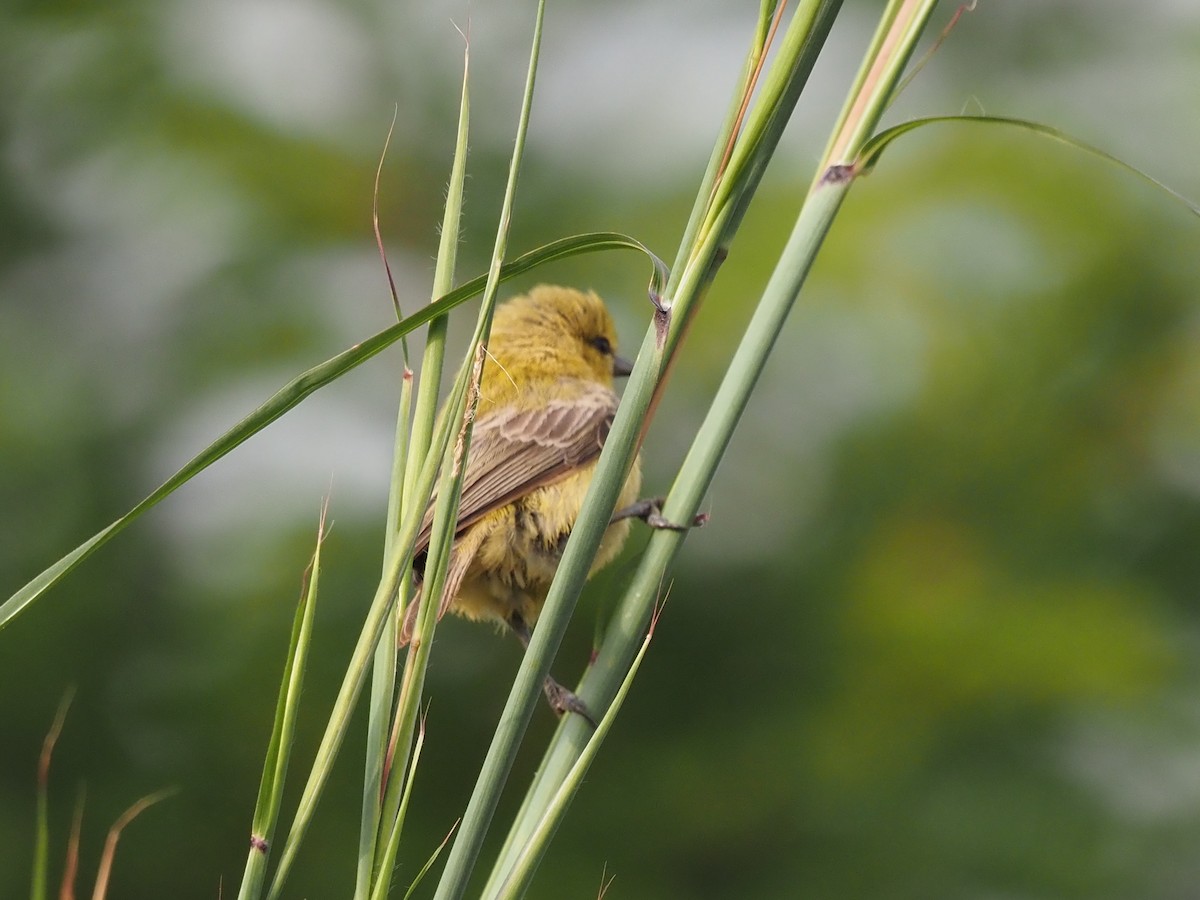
column 462, row 554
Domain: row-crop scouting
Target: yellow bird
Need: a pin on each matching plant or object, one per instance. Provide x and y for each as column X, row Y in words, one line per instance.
column 546, row 405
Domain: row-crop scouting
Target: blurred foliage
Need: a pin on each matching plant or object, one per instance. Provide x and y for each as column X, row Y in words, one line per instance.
column 938, row 639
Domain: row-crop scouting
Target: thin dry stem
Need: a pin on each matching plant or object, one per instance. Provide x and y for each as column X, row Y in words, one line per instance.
column 71, row 867
column 928, row 54
column 387, row 142
column 114, row 835
column 51, row 739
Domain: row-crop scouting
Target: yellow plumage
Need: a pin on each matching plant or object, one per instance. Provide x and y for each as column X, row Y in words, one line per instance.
column 546, row 404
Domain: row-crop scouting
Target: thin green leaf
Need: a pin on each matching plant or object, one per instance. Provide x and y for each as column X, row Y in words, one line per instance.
column 392, row 844
column 874, row 148
column 389, row 820
column 383, row 672
column 299, row 388
column 429, row 862
column 279, row 748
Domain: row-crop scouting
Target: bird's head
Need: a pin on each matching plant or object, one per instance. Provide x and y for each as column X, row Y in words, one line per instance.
column 557, row 332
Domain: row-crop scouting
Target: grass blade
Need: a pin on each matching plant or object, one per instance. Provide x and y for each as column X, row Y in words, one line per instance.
column 429, row 863
column 299, row 388
column 868, row 158
column 275, row 765
column 380, row 809
column 383, row 671
column 392, row 845
column 390, row 820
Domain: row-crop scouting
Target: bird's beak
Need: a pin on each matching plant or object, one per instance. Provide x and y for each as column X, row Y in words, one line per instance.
column 621, row 366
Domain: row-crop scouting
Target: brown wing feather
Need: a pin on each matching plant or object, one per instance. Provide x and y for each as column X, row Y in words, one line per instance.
column 514, row 451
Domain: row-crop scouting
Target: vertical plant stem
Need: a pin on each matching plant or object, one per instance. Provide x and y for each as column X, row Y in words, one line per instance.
column 398, row 559
column 279, row 748
column 383, row 670
column 396, row 750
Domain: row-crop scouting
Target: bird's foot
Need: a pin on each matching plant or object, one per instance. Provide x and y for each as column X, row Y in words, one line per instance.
column 650, row 512
column 563, row 701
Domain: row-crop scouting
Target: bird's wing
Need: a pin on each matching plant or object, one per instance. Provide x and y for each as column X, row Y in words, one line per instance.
column 515, row 450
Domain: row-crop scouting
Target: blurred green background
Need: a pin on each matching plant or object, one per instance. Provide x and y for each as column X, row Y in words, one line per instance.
column 940, row 637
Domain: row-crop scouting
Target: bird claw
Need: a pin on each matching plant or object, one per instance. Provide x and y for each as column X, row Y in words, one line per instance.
column 564, row 701
column 650, row 512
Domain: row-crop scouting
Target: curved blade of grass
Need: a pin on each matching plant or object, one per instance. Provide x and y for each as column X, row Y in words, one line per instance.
column 300, row 387
column 279, row 748
column 383, row 671
column 525, row 864
column 873, row 149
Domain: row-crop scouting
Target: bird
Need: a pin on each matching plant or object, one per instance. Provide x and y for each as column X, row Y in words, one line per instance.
column 546, row 404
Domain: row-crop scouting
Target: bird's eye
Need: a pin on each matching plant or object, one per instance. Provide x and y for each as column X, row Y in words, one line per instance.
column 601, row 343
